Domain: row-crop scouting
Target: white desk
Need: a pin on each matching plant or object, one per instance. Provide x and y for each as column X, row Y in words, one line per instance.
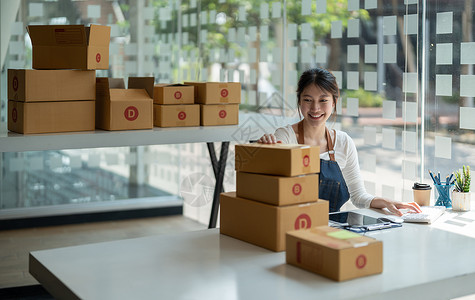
column 418, row 260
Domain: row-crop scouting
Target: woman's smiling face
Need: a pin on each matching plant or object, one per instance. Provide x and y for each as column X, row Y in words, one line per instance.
column 316, row 105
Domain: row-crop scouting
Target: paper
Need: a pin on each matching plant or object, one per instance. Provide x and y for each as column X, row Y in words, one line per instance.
column 389, row 53
column 409, row 82
column 467, row 86
column 371, row 81
column 353, row 54
column 370, row 135
column 353, row 80
column 443, row 54
column 353, row 5
column 389, row 25
column 410, row 24
column 467, row 120
column 292, row 31
column 443, row 85
column 409, row 141
column 306, row 7
column 443, row 147
column 353, row 28
column 35, row 9
column 321, row 6
column 444, row 22
column 409, row 112
column 389, row 138
column 389, row 109
column 371, row 54
column 370, row 4
column 306, row 30
column 264, row 11
column 321, row 54
column 467, row 53
column 336, row 30
column 352, row 105
column 343, row 234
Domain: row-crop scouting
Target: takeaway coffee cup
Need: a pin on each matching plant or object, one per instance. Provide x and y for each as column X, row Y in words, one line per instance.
column 421, row 193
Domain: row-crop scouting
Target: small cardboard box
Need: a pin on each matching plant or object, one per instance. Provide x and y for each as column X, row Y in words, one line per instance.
column 118, row 108
column 265, row 225
column 173, row 94
column 277, row 159
column 277, row 190
column 70, row 46
column 49, row 117
column 51, row 85
column 181, row 115
column 217, row 92
column 334, row 253
column 213, row 114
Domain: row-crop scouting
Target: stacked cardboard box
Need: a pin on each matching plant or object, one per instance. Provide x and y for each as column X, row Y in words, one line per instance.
column 174, row 106
column 277, row 191
column 219, row 102
column 54, row 97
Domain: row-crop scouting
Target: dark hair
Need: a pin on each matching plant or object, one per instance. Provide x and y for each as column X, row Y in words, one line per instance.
column 321, row 78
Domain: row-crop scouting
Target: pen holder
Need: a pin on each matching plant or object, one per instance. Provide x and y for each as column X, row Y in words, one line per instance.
column 442, row 195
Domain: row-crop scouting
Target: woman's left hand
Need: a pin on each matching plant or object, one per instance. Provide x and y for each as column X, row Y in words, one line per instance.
column 393, row 206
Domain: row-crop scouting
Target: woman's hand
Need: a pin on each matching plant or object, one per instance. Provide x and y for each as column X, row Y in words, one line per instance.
column 267, row 138
column 393, row 206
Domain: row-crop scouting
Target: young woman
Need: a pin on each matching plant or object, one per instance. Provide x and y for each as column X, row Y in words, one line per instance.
column 340, row 179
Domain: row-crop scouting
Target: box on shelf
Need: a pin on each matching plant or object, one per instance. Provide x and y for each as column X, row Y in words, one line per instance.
column 70, row 46
column 176, row 115
column 118, row 108
column 173, row 94
column 265, row 225
column 217, row 92
column 334, row 253
column 50, row 117
column 277, row 190
column 214, row 114
column 51, row 85
column 292, row 160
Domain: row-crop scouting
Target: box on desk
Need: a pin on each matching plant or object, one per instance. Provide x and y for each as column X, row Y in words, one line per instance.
column 176, row 115
column 265, row 225
column 334, row 253
column 277, row 159
column 70, row 46
column 51, row 85
column 277, row 190
column 212, row 115
column 50, row 117
column 173, row 94
column 118, row 108
column 217, row 92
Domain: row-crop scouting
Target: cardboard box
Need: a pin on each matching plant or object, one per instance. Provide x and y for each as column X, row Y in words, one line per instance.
column 118, row 108
column 173, row 94
column 277, row 190
column 334, row 253
column 217, row 92
column 212, row 115
column 176, row 115
column 48, row 117
column 265, row 225
column 51, row 85
column 70, row 46
column 292, row 160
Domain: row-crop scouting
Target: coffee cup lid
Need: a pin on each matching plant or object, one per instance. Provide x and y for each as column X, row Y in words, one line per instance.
column 421, row 186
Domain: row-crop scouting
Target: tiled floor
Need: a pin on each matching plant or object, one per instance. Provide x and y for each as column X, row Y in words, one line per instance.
column 16, row 244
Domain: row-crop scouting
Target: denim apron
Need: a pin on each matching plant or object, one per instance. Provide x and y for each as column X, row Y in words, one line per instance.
column 332, row 184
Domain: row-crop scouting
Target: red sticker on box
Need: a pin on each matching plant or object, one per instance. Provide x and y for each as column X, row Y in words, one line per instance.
column 297, row 189
column 303, row 221
column 15, row 83
column 178, row 95
column 182, row 115
column 361, row 261
column 131, row 113
column 222, row 114
column 14, row 115
column 98, row 57
column 306, row 160
column 224, row 93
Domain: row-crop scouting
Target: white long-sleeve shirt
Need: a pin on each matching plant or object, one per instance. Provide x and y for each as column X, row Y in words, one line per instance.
column 347, row 158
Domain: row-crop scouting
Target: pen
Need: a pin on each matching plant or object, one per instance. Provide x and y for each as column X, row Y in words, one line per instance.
column 432, row 176
column 438, row 178
column 447, row 180
column 451, row 176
